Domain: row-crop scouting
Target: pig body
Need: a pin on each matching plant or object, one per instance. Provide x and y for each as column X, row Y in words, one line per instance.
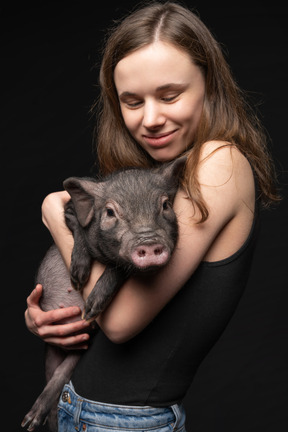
column 125, row 221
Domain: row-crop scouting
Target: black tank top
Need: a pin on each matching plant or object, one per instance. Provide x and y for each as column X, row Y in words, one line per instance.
column 157, row 366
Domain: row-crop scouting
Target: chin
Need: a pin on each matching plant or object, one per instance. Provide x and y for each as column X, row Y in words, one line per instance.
column 165, row 157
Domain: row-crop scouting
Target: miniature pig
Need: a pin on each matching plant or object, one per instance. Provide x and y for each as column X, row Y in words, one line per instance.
column 126, row 221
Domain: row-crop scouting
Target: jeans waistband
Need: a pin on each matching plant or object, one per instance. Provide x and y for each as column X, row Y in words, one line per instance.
column 111, row 415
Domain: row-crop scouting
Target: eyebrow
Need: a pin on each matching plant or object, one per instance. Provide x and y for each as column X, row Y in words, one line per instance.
column 171, row 85
column 175, row 86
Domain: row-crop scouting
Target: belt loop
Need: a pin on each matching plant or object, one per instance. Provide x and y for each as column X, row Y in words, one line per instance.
column 179, row 413
column 77, row 413
column 175, row 409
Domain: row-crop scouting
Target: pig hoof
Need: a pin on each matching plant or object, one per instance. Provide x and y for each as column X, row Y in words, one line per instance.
column 76, row 285
column 78, row 279
column 32, row 420
column 89, row 314
column 79, row 273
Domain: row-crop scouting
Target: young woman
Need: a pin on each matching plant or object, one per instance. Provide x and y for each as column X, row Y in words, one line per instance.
column 166, row 90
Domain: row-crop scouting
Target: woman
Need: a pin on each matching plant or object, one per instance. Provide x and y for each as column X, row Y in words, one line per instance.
column 166, row 90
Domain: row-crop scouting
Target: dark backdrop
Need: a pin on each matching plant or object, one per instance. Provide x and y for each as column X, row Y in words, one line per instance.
column 49, row 81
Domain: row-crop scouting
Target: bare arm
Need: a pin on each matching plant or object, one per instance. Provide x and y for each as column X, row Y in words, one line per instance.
column 228, row 190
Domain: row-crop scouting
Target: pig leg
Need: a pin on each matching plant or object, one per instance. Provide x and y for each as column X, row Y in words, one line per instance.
column 81, row 261
column 54, row 356
column 104, row 290
column 41, row 408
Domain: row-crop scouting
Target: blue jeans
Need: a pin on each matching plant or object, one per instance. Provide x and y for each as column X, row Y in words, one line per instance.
column 78, row 414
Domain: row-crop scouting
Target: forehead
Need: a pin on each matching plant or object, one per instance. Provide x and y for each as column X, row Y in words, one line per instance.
column 137, row 189
column 134, row 181
column 154, row 66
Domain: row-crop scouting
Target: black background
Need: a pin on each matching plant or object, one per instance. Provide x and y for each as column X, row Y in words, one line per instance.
column 49, row 81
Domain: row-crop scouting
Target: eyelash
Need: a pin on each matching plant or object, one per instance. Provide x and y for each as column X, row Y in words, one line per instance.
column 133, row 105
column 170, row 99
column 164, row 99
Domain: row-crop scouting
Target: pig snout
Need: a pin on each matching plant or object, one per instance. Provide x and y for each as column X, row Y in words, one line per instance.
column 150, row 255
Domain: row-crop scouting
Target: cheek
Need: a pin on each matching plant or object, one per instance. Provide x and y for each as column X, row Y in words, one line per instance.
column 190, row 110
column 189, row 115
column 132, row 119
column 107, row 223
column 113, row 228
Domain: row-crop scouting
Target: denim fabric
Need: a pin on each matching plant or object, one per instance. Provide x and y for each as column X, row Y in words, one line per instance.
column 78, row 414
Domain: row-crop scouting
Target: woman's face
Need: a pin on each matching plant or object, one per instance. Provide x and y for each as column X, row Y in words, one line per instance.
column 161, row 93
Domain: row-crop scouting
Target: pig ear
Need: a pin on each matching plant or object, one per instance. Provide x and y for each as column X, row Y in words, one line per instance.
column 174, row 169
column 82, row 192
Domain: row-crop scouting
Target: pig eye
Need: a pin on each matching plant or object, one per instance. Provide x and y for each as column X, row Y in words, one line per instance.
column 165, row 205
column 110, row 212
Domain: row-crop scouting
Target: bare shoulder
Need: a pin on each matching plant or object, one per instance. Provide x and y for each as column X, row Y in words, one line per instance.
column 228, row 189
column 221, row 161
column 225, row 175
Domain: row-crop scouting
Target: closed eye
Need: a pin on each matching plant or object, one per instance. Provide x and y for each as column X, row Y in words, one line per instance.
column 170, row 98
column 134, row 104
column 130, row 100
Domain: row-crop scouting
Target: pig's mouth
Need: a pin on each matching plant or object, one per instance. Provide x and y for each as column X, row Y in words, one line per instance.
column 148, row 256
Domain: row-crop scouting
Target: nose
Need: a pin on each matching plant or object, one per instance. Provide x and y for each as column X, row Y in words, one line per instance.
column 146, row 256
column 153, row 115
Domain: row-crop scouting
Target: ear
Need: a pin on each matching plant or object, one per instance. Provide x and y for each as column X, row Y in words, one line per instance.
column 173, row 170
column 83, row 193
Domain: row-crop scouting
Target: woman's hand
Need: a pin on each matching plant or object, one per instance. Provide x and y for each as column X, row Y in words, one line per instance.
column 48, row 326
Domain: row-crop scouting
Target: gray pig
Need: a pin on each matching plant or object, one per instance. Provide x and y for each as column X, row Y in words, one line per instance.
column 125, row 221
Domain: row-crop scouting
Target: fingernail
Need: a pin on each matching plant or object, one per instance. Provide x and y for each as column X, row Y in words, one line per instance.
column 85, row 323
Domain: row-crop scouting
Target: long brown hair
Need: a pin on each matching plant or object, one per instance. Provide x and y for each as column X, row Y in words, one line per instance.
column 226, row 115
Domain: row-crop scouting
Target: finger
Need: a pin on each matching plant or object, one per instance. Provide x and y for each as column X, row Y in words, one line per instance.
column 63, row 330
column 71, row 342
column 34, row 298
column 70, row 329
column 57, row 315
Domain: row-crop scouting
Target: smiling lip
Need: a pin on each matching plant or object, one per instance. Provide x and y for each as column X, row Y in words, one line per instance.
column 160, row 139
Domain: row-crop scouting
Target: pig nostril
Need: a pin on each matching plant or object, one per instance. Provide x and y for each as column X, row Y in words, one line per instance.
column 143, row 252
column 158, row 251
column 150, row 255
